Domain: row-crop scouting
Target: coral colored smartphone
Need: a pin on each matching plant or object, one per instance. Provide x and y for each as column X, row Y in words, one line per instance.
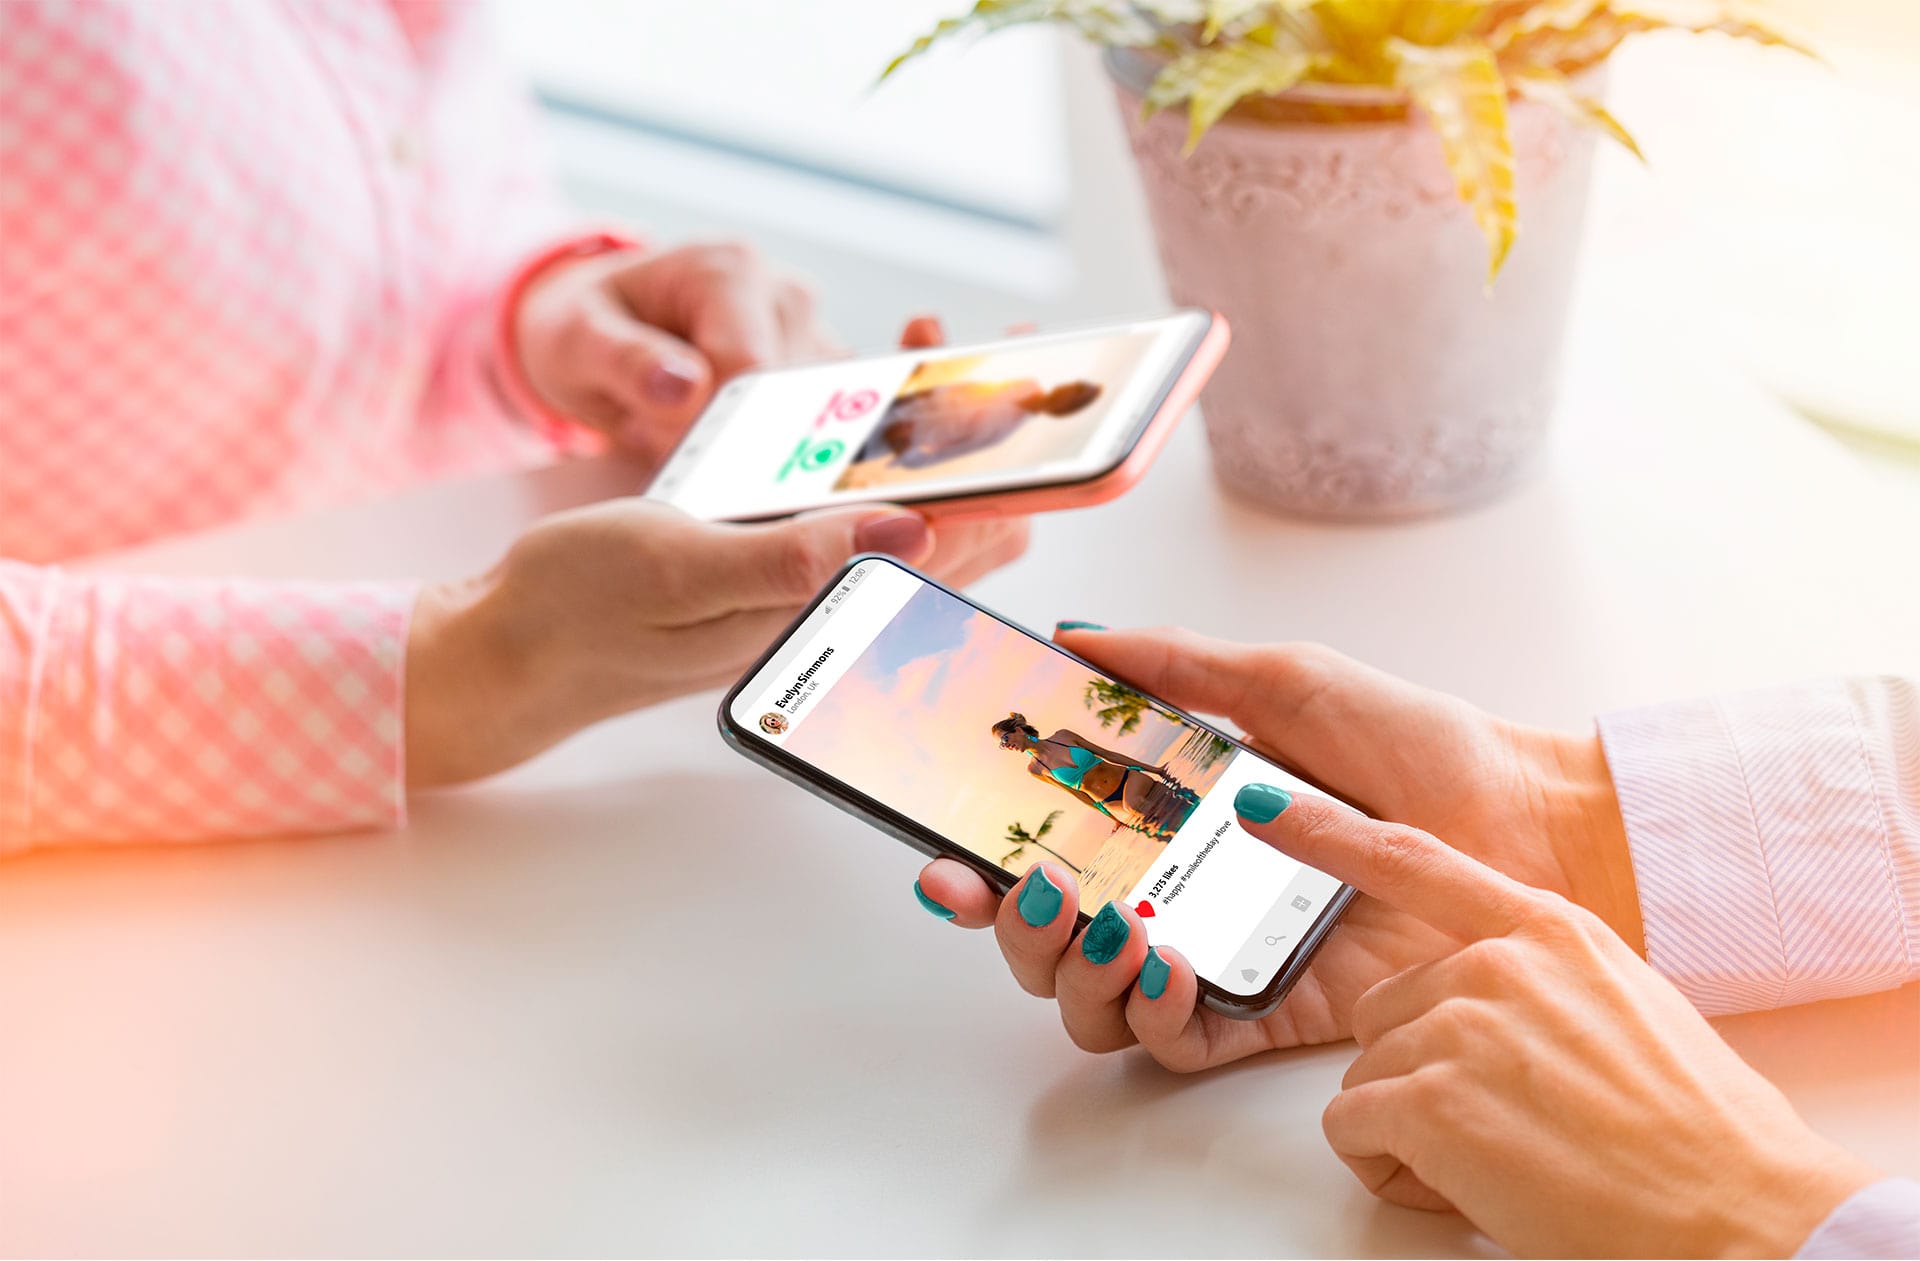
column 967, row 737
column 1027, row 424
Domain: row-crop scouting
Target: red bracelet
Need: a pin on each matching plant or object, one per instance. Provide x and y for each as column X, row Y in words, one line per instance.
column 509, row 372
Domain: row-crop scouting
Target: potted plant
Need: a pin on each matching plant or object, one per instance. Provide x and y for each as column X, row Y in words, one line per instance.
column 1385, row 198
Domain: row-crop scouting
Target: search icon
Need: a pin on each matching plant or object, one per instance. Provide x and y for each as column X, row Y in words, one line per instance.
column 1274, row 941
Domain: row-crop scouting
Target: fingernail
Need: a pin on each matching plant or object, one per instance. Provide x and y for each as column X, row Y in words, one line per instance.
column 1261, row 802
column 933, row 908
column 1039, row 900
column 670, row 381
column 1066, row 626
column 1153, row 974
column 1106, row 937
column 902, row 534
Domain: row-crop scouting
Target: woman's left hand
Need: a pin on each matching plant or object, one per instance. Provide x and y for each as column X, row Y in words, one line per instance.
column 633, row 344
column 1535, row 804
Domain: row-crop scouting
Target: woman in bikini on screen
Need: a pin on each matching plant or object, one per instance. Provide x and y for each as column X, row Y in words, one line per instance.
column 930, row 426
column 1143, row 798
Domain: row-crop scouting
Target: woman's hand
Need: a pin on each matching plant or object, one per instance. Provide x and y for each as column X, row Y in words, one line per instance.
column 1537, row 805
column 611, row 608
column 1547, row 1083
column 634, row 343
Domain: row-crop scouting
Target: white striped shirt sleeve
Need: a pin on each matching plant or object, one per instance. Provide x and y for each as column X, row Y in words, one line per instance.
column 1882, row 1220
column 1776, row 839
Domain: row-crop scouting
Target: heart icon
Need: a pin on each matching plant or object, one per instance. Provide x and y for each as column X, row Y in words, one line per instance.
column 1144, row 910
column 1251, row 974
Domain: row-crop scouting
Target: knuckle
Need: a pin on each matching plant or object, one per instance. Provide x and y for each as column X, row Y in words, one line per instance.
column 1338, row 1116
column 1366, row 1016
column 1314, row 827
column 1398, row 855
column 1358, row 1070
column 627, row 357
column 1456, row 1020
column 575, row 337
column 1590, row 927
column 1302, row 668
column 1093, row 1037
column 1032, row 974
column 731, row 255
column 1179, row 1057
column 799, row 296
column 1039, row 984
column 803, row 562
column 1555, row 919
column 1434, row 1089
column 1497, row 962
column 1306, row 657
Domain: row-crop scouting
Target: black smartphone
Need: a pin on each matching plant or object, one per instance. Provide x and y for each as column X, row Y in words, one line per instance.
column 967, row 737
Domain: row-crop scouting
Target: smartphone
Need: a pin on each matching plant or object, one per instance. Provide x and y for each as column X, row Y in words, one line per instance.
column 1061, row 420
column 967, row 737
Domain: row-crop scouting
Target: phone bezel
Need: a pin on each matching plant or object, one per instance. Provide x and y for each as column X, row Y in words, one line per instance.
column 924, row 839
column 1204, row 322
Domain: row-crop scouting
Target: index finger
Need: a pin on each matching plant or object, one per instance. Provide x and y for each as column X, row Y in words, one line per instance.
column 1410, row 870
column 738, row 329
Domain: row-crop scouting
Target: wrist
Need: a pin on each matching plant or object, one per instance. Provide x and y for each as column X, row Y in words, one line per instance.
column 1779, row 1200
column 1589, row 837
column 516, row 383
column 463, row 695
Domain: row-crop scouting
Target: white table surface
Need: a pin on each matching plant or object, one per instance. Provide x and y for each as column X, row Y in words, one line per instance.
column 498, row 1031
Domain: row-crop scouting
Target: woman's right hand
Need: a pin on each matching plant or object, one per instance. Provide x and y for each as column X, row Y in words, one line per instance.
column 1546, row 1082
column 1535, row 804
column 611, row 608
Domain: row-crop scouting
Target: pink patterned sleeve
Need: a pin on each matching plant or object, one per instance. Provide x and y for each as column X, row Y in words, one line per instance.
column 161, row 709
column 497, row 220
column 1776, row 839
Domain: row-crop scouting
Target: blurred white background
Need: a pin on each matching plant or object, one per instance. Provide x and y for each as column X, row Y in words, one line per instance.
column 1773, row 228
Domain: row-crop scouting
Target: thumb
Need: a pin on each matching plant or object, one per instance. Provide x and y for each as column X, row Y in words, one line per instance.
column 657, row 382
column 785, row 563
column 1409, row 870
column 1326, row 716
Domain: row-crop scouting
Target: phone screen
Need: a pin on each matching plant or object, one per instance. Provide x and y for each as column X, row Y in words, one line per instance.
column 1011, row 749
column 927, row 424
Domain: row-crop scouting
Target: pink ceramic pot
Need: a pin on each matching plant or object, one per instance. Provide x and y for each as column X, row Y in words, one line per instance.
column 1372, row 374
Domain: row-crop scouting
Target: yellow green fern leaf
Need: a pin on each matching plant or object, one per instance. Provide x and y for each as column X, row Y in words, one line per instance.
column 1461, row 90
column 1224, row 15
column 1552, row 89
column 1103, row 21
column 1210, row 79
column 1724, row 17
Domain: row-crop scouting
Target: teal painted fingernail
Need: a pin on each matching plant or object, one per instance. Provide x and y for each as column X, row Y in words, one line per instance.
column 1261, row 802
column 1061, row 626
column 933, row 908
column 1039, row 900
column 1153, row 974
column 1106, row 937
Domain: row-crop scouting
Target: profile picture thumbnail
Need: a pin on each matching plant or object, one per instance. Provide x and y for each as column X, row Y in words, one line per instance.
column 773, row 724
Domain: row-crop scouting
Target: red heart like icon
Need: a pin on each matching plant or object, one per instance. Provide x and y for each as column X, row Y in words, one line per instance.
column 1144, row 910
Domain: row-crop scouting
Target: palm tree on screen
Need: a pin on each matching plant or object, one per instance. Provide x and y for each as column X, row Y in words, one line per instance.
column 1021, row 838
column 1113, row 702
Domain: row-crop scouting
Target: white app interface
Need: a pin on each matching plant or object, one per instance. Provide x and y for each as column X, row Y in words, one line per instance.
column 1021, row 754
column 922, row 424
